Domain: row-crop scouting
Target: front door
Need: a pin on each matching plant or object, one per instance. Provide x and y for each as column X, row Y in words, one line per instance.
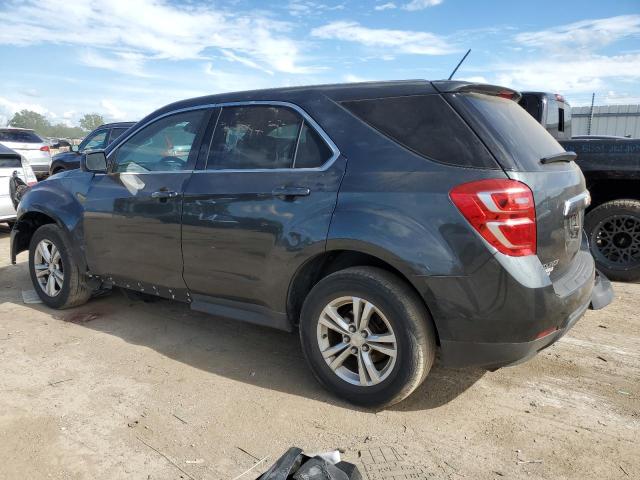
column 132, row 214
column 260, row 206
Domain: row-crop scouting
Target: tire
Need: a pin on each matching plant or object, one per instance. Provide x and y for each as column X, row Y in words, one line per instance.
column 73, row 289
column 614, row 237
column 396, row 308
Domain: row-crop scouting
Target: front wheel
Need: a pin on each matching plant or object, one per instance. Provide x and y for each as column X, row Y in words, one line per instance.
column 367, row 336
column 614, row 237
column 54, row 273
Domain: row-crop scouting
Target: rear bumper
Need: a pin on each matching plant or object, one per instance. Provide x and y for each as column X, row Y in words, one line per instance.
column 40, row 170
column 510, row 309
column 495, row 355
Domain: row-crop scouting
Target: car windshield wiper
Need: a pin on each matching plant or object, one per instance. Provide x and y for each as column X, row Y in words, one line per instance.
column 559, row 157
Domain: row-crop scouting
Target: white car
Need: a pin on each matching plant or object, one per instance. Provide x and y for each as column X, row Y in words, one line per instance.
column 11, row 162
column 28, row 144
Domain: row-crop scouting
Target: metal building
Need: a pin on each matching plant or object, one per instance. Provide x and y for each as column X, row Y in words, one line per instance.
column 618, row 120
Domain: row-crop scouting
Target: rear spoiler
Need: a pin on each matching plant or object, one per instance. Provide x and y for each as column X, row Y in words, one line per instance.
column 448, row 86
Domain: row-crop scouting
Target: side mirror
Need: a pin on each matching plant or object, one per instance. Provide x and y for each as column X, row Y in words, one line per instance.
column 95, row 162
column 74, row 148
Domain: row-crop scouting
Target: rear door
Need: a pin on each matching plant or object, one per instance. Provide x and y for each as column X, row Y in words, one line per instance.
column 260, row 205
column 132, row 214
column 519, row 143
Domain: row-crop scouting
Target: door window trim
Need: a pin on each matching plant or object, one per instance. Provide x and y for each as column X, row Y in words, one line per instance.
column 197, row 141
column 276, row 103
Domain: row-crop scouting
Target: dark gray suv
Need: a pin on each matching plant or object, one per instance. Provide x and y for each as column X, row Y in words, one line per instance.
column 386, row 221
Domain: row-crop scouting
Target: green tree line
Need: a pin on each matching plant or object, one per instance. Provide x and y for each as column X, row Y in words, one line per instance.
column 44, row 128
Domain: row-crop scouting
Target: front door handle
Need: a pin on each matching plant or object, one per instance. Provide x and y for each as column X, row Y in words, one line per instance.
column 291, row 191
column 164, row 194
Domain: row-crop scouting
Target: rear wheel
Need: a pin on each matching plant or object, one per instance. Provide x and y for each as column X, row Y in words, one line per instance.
column 614, row 237
column 54, row 273
column 367, row 336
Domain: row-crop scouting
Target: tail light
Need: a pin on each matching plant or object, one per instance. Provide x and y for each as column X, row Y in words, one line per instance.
column 502, row 211
column 45, row 148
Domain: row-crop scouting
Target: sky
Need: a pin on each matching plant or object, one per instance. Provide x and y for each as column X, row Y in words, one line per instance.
column 125, row 58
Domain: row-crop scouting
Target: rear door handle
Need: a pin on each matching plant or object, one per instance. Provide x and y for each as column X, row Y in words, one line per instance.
column 164, row 194
column 291, row 191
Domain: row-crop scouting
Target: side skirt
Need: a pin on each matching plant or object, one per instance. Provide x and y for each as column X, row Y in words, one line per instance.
column 244, row 312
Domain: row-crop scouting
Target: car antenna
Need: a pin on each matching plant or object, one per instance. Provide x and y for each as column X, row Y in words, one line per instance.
column 459, row 63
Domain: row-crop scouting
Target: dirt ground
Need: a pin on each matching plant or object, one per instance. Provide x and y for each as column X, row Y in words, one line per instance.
column 126, row 389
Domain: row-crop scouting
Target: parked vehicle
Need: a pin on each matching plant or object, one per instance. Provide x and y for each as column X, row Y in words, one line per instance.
column 11, row 162
column 611, row 166
column 371, row 216
column 97, row 139
column 27, row 143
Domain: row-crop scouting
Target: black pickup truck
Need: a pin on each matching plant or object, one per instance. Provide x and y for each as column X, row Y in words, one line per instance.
column 611, row 166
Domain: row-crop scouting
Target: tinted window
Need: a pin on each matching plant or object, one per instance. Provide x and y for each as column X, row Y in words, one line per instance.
column 95, row 141
column 427, row 125
column 10, row 163
column 19, row 136
column 533, row 105
column 116, row 132
column 164, row 145
column 513, row 135
column 312, row 151
column 254, row 137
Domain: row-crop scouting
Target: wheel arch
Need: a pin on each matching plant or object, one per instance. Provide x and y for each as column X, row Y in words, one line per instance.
column 27, row 225
column 331, row 261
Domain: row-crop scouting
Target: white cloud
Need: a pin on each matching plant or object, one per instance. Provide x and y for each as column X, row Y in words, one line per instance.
column 152, row 29
column 616, row 98
column 305, row 8
column 229, row 55
column 8, row 108
column 112, row 111
column 222, row 81
column 401, row 41
column 351, row 78
column 385, row 6
column 585, row 34
column 123, row 62
column 421, row 4
column 473, row 78
column 587, row 73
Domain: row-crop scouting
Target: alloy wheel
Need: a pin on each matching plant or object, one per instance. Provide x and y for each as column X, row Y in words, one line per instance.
column 48, row 268
column 357, row 341
column 617, row 240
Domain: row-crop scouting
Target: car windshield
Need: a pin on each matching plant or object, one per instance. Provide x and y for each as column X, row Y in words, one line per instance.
column 19, row 136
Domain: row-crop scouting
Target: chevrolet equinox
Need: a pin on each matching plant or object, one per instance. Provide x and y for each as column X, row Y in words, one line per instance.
column 385, row 221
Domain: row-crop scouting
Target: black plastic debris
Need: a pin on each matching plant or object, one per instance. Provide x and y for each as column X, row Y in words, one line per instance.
column 17, row 189
column 295, row 465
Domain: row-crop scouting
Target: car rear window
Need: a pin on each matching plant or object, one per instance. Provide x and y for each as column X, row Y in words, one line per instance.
column 516, row 139
column 10, row 163
column 19, row 136
column 426, row 125
column 533, row 105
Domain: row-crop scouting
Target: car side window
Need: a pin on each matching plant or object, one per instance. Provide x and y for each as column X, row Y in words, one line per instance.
column 312, row 151
column 95, row 141
column 115, row 133
column 164, row 145
column 254, row 137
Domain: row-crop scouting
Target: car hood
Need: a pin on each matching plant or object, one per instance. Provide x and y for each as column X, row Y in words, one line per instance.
column 66, row 156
